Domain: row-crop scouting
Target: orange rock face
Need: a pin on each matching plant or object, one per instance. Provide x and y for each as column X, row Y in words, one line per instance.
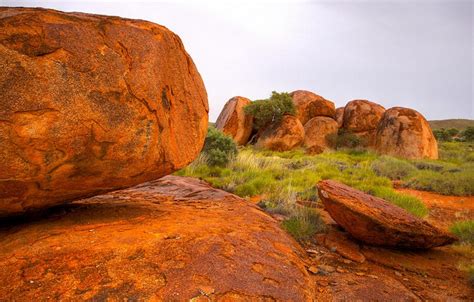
column 234, row 122
column 340, row 116
column 173, row 239
column 309, row 105
column 91, row 104
column 405, row 133
column 284, row 136
column 361, row 117
column 317, row 134
column 375, row 221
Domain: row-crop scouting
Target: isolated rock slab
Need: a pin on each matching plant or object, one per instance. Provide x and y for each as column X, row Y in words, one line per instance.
column 309, row 105
column 91, row 104
column 377, row 222
column 404, row 132
column 318, row 131
column 167, row 240
column 286, row 135
column 234, row 122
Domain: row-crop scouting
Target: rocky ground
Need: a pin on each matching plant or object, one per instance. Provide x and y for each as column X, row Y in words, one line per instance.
column 177, row 239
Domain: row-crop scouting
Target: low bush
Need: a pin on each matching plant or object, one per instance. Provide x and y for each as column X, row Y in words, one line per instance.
column 459, row 183
column 270, row 110
column 464, row 230
column 219, row 149
column 345, row 139
column 392, row 168
column 304, row 223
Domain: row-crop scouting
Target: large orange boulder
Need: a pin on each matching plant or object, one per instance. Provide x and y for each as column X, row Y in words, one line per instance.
column 340, row 116
column 234, row 122
column 361, row 117
column 91, row 104
column 376, row 221
column 172, row 239
column 405, row 133
column 309, row 105
column 318, row 132
column 283, row 136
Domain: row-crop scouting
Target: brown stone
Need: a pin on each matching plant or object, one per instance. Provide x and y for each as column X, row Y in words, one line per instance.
column 318, row 131
column 340, row 116
column 167, row 240
column 91, row 104
column 234, row 122
column 405, row 133
column 344, row 246
column 361, row 117
column 376, row 221
column 309, row 105
column 283, row 136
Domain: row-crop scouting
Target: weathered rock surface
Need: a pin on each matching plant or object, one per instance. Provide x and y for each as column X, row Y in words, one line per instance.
column 375, row 221
column 317, row 134
column 90, row 104
column 234, row 122
column 309, row 105
column 405, row 133
column 361, row 117
column 340, row 116
column 171, row 239
column 283, row 136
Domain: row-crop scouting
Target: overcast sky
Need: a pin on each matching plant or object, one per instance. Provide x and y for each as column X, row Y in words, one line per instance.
column 416, row 54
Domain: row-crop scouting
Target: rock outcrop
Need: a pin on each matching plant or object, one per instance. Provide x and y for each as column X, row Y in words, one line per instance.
column 172, row 239
column 340, row 116
column 405, row 133
column 309, row 105
column 91, row 104
column 283, row 136
column 234, row 122
column 317, row 134
column 377, row 222
column 361, row 117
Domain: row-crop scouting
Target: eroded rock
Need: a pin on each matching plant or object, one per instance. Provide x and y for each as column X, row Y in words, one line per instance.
column 283, row 136
column 234, row 122
column 309, row 105
column 361, row 117
column 404, row 132
column 91, row 104
column 376, row 221
column 171, row 239
column 318, row 132
column 340, row 116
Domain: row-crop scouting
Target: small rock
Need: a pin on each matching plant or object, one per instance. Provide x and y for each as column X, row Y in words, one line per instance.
column 405, row 279
column 322, row 283
column 333, row 283
column 360, row 274
column 373, row 276
column 351, row 282
column 341, row 270
column 398, row 274
column 326, row 268
column 443, row 287
column 311, row 251
column 313, row 269
column 347, row 261
column 206, row 290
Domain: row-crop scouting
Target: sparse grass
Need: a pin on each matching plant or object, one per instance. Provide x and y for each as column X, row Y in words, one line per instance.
column 278, row 175
column 303, row 223
column 464, row 230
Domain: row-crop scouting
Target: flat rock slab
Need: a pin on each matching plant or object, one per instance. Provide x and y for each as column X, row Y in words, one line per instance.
column 376, row 221
column 172, row 239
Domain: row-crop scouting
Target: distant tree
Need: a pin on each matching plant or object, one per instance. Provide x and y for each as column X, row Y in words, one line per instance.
column 442, row 135
column 271, row 110
column 219, row 148
column 468, row 134
column 452, row 132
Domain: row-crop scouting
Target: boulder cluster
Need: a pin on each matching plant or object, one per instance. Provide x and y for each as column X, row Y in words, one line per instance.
column 397, row 131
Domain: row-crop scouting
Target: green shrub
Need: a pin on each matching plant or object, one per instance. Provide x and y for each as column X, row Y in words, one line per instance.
column 470, row 273
column 457, row 183
column 468, row 134
column 270, row 110
column 345, row 139
column 304, row 223
column 464, row 230
column 392, row 168
column 219, row 148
